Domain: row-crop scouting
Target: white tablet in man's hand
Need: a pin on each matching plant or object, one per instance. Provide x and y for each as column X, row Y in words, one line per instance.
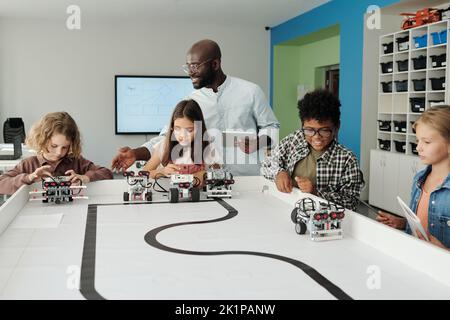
column 232, row 138
column 239, row 134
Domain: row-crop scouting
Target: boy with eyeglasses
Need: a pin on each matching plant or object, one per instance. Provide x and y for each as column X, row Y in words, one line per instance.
column 311, row 158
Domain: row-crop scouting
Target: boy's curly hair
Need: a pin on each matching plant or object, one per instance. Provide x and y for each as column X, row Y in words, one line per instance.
column 320, row 105
column 53, row 123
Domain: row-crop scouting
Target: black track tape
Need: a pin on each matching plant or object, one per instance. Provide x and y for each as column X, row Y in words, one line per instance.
column 87, row 276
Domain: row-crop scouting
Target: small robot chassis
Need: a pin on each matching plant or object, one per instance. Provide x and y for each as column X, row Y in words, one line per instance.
column 218, row 183
column 138, row 186
column 324, row 222
column 57, row 189
column 184, row 186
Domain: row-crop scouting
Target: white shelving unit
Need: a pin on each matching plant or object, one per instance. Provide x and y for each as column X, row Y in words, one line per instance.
column 396, row 105
column 392, row 170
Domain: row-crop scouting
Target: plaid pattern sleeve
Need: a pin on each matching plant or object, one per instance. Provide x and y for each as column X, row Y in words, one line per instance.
column 339, row 179
column 277, row 161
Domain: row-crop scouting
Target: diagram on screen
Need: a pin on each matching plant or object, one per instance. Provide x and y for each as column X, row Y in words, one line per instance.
column 144, row 104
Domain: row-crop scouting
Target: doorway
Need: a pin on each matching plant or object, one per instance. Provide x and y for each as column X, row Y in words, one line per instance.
column 332, row 81
column 327, row 77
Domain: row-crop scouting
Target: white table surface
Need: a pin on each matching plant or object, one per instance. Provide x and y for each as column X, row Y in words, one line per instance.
column 46, row 263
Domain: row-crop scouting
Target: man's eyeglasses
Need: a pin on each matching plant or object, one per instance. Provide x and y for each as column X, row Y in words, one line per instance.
column 323, row 132
column 193, row 67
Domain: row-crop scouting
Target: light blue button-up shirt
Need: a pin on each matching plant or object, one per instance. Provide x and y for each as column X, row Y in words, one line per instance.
column 238, row 105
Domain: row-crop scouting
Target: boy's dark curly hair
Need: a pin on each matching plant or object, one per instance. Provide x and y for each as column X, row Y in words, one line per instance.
column 320, row 105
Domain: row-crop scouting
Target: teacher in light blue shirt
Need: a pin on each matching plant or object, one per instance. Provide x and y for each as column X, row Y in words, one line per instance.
column 227, row 103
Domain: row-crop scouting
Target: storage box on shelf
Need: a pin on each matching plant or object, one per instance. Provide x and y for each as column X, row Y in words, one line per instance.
column 419, row 84
column 400, row 146
column 387, row 86
column 402, row 41
column 417, row 104
column 438, row 83
column 420, row 62
column 384, row 125
column 434, row 103
column 438, row 61
column 400, row 126
column 387, row 67
column 439, row 37
column 402, row 65
column 420, row 41
column 384, row 144
column 388, row 48
column 401, row 85
column 436, row 98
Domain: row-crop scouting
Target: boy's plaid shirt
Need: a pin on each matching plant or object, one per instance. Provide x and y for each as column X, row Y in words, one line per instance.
column 339, row 179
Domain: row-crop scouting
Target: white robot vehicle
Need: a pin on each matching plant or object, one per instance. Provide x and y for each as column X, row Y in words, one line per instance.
column 138, row 186
column 58, row 190
column 218, row 183
column 184, row 186
column 324, row 220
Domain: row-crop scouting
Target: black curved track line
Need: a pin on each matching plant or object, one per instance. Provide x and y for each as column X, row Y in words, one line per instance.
column 150, row 238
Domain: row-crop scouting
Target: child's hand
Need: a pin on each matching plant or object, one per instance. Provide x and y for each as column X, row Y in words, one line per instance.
column 283, row 182
column 305, row 185
column 40, row 173
column 171, row 169
column 73, row 177
column 391, row 220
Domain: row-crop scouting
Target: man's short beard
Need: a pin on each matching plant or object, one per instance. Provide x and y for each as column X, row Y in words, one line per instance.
column 205, row 81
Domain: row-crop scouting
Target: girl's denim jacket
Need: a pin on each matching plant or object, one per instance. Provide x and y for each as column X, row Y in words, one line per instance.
column 438, row 209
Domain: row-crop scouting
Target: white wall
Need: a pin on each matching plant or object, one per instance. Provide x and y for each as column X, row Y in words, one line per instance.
column 45, row 67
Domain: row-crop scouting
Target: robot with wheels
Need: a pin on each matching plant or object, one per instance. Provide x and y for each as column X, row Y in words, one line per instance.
column 218, row 183
column 57, row 189
column 323, row 221
column 138, row 186
column 184, row 186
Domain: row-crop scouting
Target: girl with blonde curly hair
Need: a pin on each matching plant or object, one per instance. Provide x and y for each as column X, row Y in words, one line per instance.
column 56, row 139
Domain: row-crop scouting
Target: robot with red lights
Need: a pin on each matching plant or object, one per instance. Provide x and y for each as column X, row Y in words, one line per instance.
column 184, row 186
column 218, row 183
column 57, row 189
column 138, row 186
column 324, row 220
